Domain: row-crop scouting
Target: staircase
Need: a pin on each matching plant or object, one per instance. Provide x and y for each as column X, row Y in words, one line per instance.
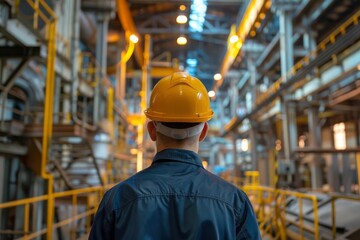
column 73, row 164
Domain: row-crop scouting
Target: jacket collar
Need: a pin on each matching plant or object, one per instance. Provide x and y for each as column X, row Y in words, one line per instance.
column 178, row 155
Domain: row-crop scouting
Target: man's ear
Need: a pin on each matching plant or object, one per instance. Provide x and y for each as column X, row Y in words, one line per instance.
column 204, row 132
column 151, row 130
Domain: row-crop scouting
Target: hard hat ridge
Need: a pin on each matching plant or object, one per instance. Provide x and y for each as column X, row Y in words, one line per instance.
column 179, row 98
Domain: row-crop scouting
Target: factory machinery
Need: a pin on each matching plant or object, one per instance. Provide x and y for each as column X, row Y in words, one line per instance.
column 75, row 79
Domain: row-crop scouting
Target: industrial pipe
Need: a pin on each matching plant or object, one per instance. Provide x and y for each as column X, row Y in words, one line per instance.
column 127, row 22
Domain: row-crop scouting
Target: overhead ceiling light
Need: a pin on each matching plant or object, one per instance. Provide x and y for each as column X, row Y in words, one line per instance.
column 211, row 93
column 181, row 19
column 181, row 40
column 217, row 77
column 234, row 38
column 134, row 38
column 182, row 7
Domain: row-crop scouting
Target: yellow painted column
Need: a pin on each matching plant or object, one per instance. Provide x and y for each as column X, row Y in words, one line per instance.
column 143, row 94
column 47, row 130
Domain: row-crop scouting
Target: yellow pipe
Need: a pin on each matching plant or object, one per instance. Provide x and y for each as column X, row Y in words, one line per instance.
column 126, row 56
column 126, row 19
column 122, row 81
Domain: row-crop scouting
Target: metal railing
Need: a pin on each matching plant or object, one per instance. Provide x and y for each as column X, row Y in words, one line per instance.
column 88, row 68
column 92, row 196
column 269, row 204
column 268, row 211
column 333, row 211
column 321, row 47
column 270, row 207
column 300, row 197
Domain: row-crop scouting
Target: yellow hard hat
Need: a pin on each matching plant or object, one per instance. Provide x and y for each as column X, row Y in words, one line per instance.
column 179, row 98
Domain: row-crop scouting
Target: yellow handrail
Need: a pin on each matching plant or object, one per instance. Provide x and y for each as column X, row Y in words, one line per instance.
column 333, row 210
column 89, row 70
column 73, row 194
column 265, row 199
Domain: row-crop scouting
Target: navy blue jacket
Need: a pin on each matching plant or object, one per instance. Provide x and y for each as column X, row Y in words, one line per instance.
column 175, row 198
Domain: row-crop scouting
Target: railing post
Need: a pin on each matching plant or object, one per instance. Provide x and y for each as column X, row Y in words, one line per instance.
column 74, row 212
column 358, row 170
column 26, row 221
column 301, row 218
column 333, row 220
column 316, row 218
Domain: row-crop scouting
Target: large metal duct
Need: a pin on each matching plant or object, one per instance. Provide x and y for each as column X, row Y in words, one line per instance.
column 87, row 28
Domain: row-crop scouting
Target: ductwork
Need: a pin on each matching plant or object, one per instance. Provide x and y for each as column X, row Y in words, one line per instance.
column 87, row 28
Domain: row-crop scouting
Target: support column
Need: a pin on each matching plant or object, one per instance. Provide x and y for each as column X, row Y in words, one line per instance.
column 287, row 61
column 333, row 175
column 314, row 142
column 38, row 209
column 4, row 189
column 286, row 42
column 101, row 52
column 234, row 153
column 57, row 99
column 347, row 175
column 212, row 156
column 219, row 103
column 290, row 134
column 309, row 41
column 253, row 76
column 253, row 143
column 70, row 103
column 234, row 98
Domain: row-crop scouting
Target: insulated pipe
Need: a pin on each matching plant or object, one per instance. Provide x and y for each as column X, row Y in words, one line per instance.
column 87, row 27
column 75, row 82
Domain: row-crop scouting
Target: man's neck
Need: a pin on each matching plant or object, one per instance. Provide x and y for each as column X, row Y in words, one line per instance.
column 162, row 146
